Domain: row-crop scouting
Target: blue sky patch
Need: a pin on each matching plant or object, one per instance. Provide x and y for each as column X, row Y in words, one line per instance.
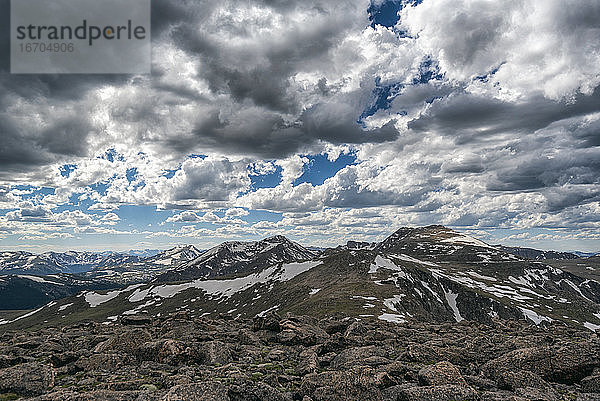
column 429, row 70
column 67, row 169
column 320, row 168
column 382, row 97
column 111, row 155
column 270, row 180
column 386, row 13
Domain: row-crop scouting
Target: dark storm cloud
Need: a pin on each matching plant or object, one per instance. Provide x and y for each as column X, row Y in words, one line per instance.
column 268, row 135
column 470, row 117
column 261, row 74
column 537, row 145
column 67, row 137
column 21, row 151
column 561, row 198
column 255, row 76
column 588, row 133
column 17, row 151
column 568, row 167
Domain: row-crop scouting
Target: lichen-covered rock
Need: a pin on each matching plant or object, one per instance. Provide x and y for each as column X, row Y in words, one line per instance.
column 210, row 391
column 256, row 391
column 563, row 364
column 361, row 356
column 295, row 332
column 269, row 321
column 447, row 392
column 350, row 384
column 170, row 352
column 214, row 353
column 309, row 362
column 26, row 379
column 223, row 359
column 96, row 395
column 441, row 373
column 104, row 362
column 127, row 342
column 513, row 380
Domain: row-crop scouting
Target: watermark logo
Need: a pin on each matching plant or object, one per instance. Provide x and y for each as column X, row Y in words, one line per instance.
column 80, row 37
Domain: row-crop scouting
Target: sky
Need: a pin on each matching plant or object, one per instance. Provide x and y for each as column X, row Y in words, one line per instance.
column 323, row 121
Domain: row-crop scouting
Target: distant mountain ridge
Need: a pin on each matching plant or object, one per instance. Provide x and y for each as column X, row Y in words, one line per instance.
column 146, row 269
column 20, row 262
column 429, row 274
column 536, row 254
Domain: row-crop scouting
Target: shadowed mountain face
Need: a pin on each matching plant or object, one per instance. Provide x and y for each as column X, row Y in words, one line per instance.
column 428, row 274
column 25, row 291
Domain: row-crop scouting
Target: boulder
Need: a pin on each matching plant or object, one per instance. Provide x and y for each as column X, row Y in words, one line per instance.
column 562, row 364
column 256, row 391
column 27, row 379
column 214, row 353
column 361, row 356
column 169, row 352
column 269, row 321
column 513, row 380
column 309, row 362
column 103, row 362
column 105, row 395
column 127, row 342
column 441, row 373
column 357, row 383
column 294, row 332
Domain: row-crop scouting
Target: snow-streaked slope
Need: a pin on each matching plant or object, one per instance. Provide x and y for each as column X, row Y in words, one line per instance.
column 148, row 268
column 236, row 257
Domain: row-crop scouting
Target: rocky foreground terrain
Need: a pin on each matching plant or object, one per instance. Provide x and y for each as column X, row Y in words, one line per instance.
column 300, row 358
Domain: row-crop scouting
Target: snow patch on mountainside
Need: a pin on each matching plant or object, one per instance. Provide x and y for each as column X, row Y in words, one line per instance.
column 391, row 317
column 94, row 299
column 38, row 279
column 33, row 312
column 466, row 240
column 534, row 316
column 382, row 263
column 451, row 299
column 407, row 258
column 226, row 288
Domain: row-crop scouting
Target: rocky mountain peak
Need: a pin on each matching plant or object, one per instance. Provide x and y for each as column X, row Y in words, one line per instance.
column 278, row 239
column 235, row 257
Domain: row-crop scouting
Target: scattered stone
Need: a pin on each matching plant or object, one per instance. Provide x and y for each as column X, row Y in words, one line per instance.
column 26, row 379
column 225, row 359
column 447, row 392
column 209, row 391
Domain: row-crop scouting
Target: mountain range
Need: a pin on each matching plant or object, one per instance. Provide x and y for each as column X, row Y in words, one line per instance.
column 20, row 262
column 428, row 274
